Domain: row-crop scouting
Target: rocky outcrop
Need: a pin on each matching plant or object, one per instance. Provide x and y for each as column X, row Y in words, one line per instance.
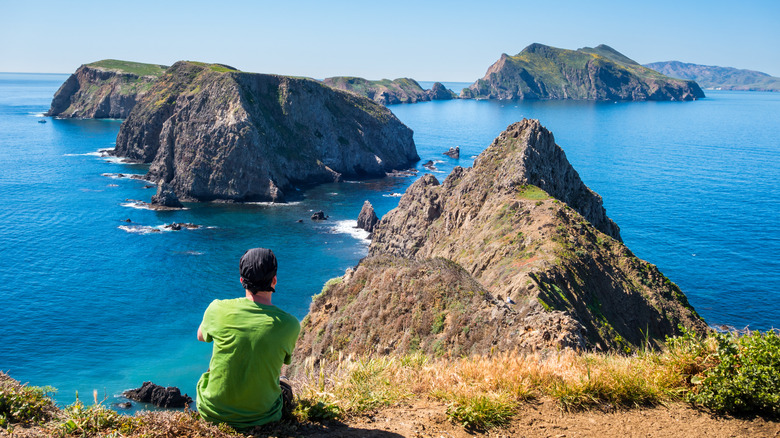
column 367, row 219
column 163, row 397
column 514, row 253
column 718, row 78
column 214, row 133
column 600, row 73
column 165, row 197
column 453, row 152
column 387, row 92
column 439, row 92
column 104, row 89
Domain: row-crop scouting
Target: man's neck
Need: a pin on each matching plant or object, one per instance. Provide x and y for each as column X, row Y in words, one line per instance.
column 263, row 297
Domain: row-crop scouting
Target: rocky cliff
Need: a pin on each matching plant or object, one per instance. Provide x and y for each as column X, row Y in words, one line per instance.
column 104, row 89
column 387, row 92
column 490, row 261
column 719, row 78
column 215, row 133
column 600, row 73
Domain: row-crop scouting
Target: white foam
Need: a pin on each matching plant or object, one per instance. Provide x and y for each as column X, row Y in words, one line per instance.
column 393, row 195
column 140, row 229
column 350, row 227
column 273, row 204
column 124, row 176
column 137, row 204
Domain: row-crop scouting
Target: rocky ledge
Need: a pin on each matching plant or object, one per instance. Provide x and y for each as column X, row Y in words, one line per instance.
column 387, row 92
column 214, row 133
column 600, row 73
column 515, row 253
column 104, row 89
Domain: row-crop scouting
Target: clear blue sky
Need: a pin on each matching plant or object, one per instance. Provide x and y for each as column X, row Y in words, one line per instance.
column 426, row 40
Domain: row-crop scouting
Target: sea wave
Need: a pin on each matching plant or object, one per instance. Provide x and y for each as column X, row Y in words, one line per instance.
column 140, row 205
column 273, row 204
column 350, row 227
column 393, row 195
column 141, row 229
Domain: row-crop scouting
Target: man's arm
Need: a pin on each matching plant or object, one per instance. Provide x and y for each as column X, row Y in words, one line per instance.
column 200, row 333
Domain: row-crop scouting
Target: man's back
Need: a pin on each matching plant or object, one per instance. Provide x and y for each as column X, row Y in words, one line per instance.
column 251, row 342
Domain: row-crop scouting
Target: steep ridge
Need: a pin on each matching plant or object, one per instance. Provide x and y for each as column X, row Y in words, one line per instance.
column 387, row 92
column 488, row 261
column 214, row 133
column 104, row 89
column 600, row 73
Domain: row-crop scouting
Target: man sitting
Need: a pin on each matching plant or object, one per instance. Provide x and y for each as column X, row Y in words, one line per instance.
column 252, row 339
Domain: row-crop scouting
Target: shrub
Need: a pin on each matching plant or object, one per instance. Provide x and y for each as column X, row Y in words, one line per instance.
column 481, row 412
column 22, row 404
column 746, row 379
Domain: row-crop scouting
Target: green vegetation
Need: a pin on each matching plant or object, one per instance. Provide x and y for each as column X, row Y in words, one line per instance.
column 22, row 404
column 746, row 379
column 136, row 68
column 532, row 193
column 482, row 412
column 220, row 68
column 728, row 373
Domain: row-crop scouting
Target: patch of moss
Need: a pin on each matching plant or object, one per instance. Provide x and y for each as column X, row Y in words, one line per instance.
column 136, row 68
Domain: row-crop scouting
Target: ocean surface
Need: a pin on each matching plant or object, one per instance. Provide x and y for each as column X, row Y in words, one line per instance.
column 92, row 301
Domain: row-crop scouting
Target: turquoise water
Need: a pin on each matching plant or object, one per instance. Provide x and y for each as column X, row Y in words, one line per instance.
column 94, row 302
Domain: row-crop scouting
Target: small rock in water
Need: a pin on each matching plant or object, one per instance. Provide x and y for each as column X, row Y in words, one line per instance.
column 453, row 152
column 319, row 216
column 429, row 165
column 125, row 405
column 159, row 396
column 300, row 221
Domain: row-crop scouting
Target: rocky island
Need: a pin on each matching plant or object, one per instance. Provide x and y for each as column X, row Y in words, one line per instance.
column 387, row 92
column 718, row 78
column 104, row 89
column 600, row 73
column 515, row 253
column 211, row 132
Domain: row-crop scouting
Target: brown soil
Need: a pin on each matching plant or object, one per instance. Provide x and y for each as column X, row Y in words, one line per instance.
column 545, row 419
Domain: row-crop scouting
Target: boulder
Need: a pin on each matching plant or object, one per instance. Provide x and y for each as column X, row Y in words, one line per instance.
column 453, row 152
column 164, row 397
column 319, row 216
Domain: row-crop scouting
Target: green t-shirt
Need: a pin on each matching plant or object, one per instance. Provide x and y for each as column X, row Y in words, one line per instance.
column 251, row 342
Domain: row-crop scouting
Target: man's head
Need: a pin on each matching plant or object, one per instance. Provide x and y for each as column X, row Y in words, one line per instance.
column 258, row 270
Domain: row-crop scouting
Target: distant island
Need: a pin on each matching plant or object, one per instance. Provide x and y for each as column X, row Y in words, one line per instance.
column 387, row 92
column 104, row 89
column 600, row 73
column 718, row 78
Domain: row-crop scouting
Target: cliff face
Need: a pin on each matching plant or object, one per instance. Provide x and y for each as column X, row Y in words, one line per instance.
column 488, row 261
column 212, row 132
column 600, row 73
column 104, row 89
column 719, row 78
column 387, row 92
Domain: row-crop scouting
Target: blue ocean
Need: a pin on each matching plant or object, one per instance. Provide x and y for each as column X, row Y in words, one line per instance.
column 94, row 301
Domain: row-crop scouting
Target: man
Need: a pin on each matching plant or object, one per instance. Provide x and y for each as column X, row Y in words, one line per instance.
column 252, row 339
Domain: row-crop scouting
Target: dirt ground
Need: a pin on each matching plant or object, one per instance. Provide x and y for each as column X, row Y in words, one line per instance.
column 545, row 419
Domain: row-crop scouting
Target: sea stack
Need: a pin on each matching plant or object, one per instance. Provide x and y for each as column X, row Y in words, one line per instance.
column 367, row 219
column 214, row 133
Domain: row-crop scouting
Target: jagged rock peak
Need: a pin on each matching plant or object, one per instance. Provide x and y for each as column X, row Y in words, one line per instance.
column 367, row 219
column 526, row 153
